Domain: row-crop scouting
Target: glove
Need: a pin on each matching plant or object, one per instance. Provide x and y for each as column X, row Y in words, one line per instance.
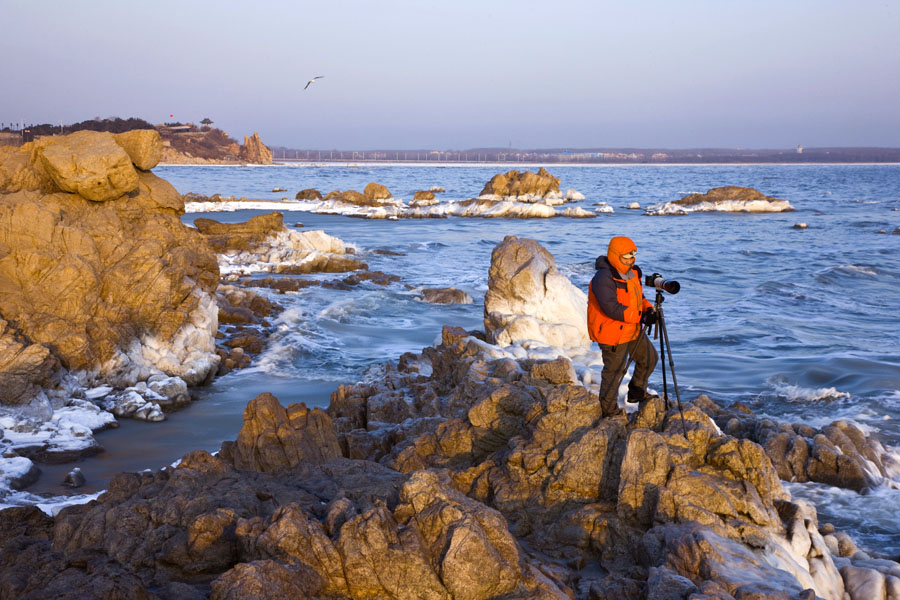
column 649, row 317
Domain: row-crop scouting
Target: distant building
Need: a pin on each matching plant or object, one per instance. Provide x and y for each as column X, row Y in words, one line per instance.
column 799, row 149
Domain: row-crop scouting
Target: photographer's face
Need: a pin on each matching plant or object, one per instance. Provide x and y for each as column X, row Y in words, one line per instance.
column 627, row 259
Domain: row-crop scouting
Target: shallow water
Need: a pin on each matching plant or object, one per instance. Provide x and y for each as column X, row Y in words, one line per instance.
column 798, row 324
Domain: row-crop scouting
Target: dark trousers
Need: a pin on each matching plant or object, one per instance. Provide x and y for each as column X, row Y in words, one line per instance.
column 614, row 359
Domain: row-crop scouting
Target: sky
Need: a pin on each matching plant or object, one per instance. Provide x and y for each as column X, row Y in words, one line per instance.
column 424, row 74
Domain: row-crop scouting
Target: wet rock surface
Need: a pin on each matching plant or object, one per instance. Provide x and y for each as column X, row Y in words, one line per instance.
column 445, row 296
column 839, row 454
column 485, row 478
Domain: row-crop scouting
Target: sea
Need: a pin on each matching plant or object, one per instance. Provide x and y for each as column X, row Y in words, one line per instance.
column 800, row 324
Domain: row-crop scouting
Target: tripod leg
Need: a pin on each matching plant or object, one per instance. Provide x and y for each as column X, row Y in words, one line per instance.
column 662, row 353
column 664, row 334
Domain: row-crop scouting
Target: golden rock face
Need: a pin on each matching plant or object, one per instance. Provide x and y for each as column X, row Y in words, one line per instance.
column 93, row 254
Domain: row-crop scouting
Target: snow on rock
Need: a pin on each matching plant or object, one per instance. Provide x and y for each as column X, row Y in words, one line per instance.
column 574, row 195
column 722, row 199
column 529, row 302
column 16, row 472
column 67, row 434
column 264, row 244
column 136, row 403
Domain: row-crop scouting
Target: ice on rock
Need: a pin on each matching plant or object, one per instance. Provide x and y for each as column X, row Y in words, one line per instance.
column 749, row 206
column 526, row 206
column 14, row 473
column 574, row 196
column 133, row 403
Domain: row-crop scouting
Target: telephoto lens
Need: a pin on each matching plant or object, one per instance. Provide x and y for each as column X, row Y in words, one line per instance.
column 656, row 280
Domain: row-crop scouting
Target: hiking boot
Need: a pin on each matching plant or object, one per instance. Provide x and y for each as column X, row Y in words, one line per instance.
column 636, row 394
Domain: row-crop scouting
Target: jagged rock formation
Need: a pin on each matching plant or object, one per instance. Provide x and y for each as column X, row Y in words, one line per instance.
column 523, row 187
column 212, row 146
column 102, row 285
column 459, row 472
column 529, row 301
column 839, row 454
column 729, row 198
column 254, row 151
column 454, row 475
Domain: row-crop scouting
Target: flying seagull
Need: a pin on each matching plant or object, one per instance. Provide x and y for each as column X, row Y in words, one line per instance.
column 313, row 79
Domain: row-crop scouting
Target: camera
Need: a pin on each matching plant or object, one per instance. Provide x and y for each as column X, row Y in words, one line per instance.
column 656, row 280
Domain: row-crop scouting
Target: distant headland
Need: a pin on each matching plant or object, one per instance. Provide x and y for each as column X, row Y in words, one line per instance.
column 189, row 143
column 183, row 143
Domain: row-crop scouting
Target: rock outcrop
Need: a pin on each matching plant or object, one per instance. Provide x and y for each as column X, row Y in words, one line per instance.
column 96, row 265
column 524, row 186
column 839, row 454
column 453, row 475
column 529, row 301
column 254, row 151
column 729, row 198
column 102, row 287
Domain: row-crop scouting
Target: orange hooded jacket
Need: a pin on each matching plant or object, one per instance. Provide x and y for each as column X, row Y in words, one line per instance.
column 616, row 297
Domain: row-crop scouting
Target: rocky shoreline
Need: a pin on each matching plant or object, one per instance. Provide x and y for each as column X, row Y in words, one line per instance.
column 481, row 467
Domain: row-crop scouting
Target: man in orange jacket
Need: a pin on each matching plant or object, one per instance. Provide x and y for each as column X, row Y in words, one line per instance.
column 616, row 310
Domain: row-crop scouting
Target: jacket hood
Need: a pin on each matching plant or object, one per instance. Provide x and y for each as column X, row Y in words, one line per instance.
column 618, row 246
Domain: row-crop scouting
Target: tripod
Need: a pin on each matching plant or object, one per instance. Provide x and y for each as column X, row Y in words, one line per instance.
column 663, row 334
column 664, row 348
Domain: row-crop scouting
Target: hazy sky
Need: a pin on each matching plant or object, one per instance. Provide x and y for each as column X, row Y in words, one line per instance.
column 463, row 74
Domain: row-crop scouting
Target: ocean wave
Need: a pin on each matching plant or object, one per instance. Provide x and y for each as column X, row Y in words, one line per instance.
column 796, row 393
column 871, row 519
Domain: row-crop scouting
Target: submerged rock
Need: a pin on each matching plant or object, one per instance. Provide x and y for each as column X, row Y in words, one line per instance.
column 445, row 296
column 308, row 194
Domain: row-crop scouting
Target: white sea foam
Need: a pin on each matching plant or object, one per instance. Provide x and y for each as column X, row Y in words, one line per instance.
column 525, row 208
column 796, row 393
column 267, row 205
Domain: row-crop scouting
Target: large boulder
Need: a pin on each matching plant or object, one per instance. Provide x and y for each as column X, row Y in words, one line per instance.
column 529, row 301
column 144, row 147
column 274, row 438
column 375, row 192
column 89, row 164
column 106, row 277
